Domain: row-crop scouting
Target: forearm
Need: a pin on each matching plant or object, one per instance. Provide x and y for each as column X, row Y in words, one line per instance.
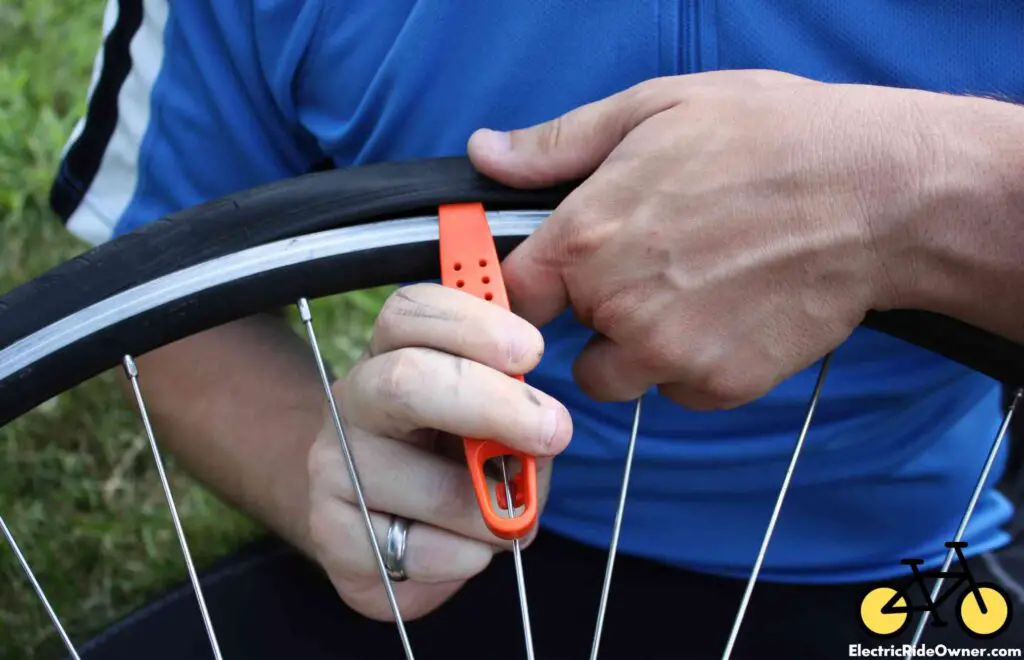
column 239, row 407
column 960, row 252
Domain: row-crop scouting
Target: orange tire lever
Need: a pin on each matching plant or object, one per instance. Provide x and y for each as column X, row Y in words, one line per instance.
column 469, row 262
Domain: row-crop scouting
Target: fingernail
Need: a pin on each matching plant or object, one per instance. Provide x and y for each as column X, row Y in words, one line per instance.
column 516, row 352
column 550, row 423
column 497, row 143
column 520, row 349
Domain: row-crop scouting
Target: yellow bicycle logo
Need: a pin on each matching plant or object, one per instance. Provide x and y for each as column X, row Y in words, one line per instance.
column 983, row 609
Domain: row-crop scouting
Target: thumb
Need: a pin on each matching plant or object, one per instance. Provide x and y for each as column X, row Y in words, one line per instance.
column 569, row 147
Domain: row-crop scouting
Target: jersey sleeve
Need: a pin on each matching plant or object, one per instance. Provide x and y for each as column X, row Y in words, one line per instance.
column 183, row 108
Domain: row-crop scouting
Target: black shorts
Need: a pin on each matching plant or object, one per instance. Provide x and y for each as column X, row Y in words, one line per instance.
column 267, row 602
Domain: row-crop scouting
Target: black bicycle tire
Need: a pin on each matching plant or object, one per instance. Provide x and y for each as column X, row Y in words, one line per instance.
column 294, row 207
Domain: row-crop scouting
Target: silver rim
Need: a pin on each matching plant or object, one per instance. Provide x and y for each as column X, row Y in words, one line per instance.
column 272, row 256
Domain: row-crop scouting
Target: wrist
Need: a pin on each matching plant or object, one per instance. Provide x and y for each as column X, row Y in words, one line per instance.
column 959, row 231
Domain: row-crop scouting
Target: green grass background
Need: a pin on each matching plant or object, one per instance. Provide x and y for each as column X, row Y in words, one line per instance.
column 77, row 483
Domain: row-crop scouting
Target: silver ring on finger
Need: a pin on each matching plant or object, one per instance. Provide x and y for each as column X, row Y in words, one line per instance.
column 394, row 551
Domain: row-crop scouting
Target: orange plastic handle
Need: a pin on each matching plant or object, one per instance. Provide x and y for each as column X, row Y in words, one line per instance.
column 469, row 262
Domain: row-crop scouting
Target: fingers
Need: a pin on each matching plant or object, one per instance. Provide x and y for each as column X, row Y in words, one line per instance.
column 436, row 562
column 439, row 368
column 411, row 483
column 405, row 480
column 606, row 372
column 535, row 271
column 432, row 555
column 399, row 392
column 570, row 146
column 452, row 321
column 441, row 360
column 575, row 145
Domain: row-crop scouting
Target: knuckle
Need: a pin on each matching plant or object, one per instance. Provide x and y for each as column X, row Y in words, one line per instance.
column 650, row 357
column 401, row 373
column 544, row 138
column 384, row 324
column 645, row 93
column 650, row 97
column 315, row 461
column 655, row 347
column 347, row 394
column 338, row 388
column 582, row 231
column 723, row 387
column 323, row 530
column 325, row 467
column 609, row 312
column 328, row 479
column 396, row 309
column 320, row 528
column 771, row 77
column 551, row 136
column 343, row 488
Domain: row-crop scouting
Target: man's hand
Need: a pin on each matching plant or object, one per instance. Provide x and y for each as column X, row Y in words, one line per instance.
column 733, row 228
column 438, row 368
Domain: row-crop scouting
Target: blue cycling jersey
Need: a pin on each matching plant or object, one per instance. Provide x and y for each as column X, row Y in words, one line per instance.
column 192, row 100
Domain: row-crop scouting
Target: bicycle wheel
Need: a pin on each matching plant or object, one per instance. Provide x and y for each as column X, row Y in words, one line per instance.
column 316, row 235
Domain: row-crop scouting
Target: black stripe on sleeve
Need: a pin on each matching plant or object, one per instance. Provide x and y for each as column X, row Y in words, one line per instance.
column 82, row 162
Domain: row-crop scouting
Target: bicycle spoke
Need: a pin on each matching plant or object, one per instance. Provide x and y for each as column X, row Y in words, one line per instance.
column 307, row 320
column 616, row 529
column 966, row 518
column 38, row 588
column 517, row 556
column 132, row 371
column 741, row 613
